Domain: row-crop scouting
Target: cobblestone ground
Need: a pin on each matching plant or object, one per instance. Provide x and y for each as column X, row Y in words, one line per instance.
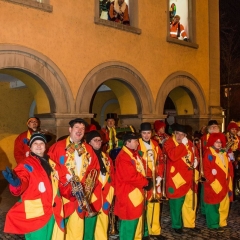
column 233, row 233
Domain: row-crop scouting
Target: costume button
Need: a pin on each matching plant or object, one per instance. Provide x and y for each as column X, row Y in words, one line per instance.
column 54, row 204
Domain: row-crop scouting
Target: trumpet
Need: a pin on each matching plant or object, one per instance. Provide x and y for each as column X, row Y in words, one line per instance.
column 164, row 196
column 90, row 183
column 78, row 192
column 202, row 177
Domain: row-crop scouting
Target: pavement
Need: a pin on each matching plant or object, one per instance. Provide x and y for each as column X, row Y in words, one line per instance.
column 232, row 233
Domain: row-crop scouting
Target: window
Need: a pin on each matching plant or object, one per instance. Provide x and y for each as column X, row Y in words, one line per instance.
column 182, row 32
column 127, row 24
column 39, row 4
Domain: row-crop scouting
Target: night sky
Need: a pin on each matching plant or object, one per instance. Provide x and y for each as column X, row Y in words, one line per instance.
column 230, row 56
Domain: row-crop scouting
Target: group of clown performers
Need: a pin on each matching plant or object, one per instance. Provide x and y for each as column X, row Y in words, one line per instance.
column 74, row 190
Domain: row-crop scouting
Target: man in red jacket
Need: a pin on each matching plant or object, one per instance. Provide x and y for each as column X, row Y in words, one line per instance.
column 21, row 148
column 130, row 182
column 152, row 153
column 182, row 178
column 76, row 157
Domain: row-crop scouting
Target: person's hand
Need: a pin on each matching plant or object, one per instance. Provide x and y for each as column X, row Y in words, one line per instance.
column 11, row 177
column 238, row 133
column 195, row 163
column 150, row 184
column 231, row 156
column 185, row 141
column 158, row 180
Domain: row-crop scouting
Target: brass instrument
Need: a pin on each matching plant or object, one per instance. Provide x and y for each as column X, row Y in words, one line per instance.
column 154, row 198
column 90, row 183
column 164, row 196
column 112, row 220
column 229, row 144
column 202, row 177
column 78, row 192
column 193, row 181
column 151, row 153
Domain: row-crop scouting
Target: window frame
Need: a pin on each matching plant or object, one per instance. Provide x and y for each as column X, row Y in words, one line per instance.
column 191, row 26
column 133, row 19
column 33, row 4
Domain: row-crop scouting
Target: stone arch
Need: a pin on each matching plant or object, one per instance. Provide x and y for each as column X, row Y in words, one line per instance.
column 123, row 72
column 190, row 84
column 44, row 71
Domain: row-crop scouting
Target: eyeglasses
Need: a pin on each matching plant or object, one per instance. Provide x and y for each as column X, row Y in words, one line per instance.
column 97, row 140
column 33, row 122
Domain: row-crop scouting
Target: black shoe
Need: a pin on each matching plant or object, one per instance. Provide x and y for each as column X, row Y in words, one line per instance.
column 219, row 230
column 146, row 238
column 178, row 230
column 195, row 229
column 157, row 237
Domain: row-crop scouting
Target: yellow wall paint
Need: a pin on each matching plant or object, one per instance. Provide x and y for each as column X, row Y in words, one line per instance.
column 6, row 150
column 125, row 98
column 85, row 45
column 182, row 101
column 40, row 97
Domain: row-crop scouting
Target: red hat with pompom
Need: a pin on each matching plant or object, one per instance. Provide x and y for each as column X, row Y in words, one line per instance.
column 158, row 124
column 231, row 125
column 214, row 137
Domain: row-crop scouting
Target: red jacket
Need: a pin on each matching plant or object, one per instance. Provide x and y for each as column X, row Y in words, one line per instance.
column 174, row 31
column 219, row 177
column 158, row 160
column 129, row 182
column 39, row 199
column 65, row 161
column 179, row 178
column 104, row 190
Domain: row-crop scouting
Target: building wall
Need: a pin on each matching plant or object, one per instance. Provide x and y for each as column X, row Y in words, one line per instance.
column 70, row 54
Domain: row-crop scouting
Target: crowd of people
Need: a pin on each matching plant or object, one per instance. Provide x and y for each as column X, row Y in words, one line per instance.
column 96, row 182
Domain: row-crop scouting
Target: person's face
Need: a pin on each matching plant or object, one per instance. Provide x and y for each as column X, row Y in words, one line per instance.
column 38, row 147
column 96, row 143
column 146, row 135
column 33, row 124
column 161, row 130
column 179, row 136
column 213, row 129
column 110, row 122
column 218, row 144
column 176, row 19
column 132, row 144
column 77, row 132
column 120, row 2
column 233, row 131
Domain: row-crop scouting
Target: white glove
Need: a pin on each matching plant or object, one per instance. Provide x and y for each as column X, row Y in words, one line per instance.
column 231, row 156
column 185, row 141
column 27, row 154
column 195, row 163
column 238, row 133
column 158, row 180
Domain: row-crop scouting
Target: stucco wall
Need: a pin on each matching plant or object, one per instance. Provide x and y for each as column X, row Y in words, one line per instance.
column 69, row 37
column 15, row 104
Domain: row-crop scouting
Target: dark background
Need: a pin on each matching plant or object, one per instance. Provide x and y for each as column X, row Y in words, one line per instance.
column 229, row 18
